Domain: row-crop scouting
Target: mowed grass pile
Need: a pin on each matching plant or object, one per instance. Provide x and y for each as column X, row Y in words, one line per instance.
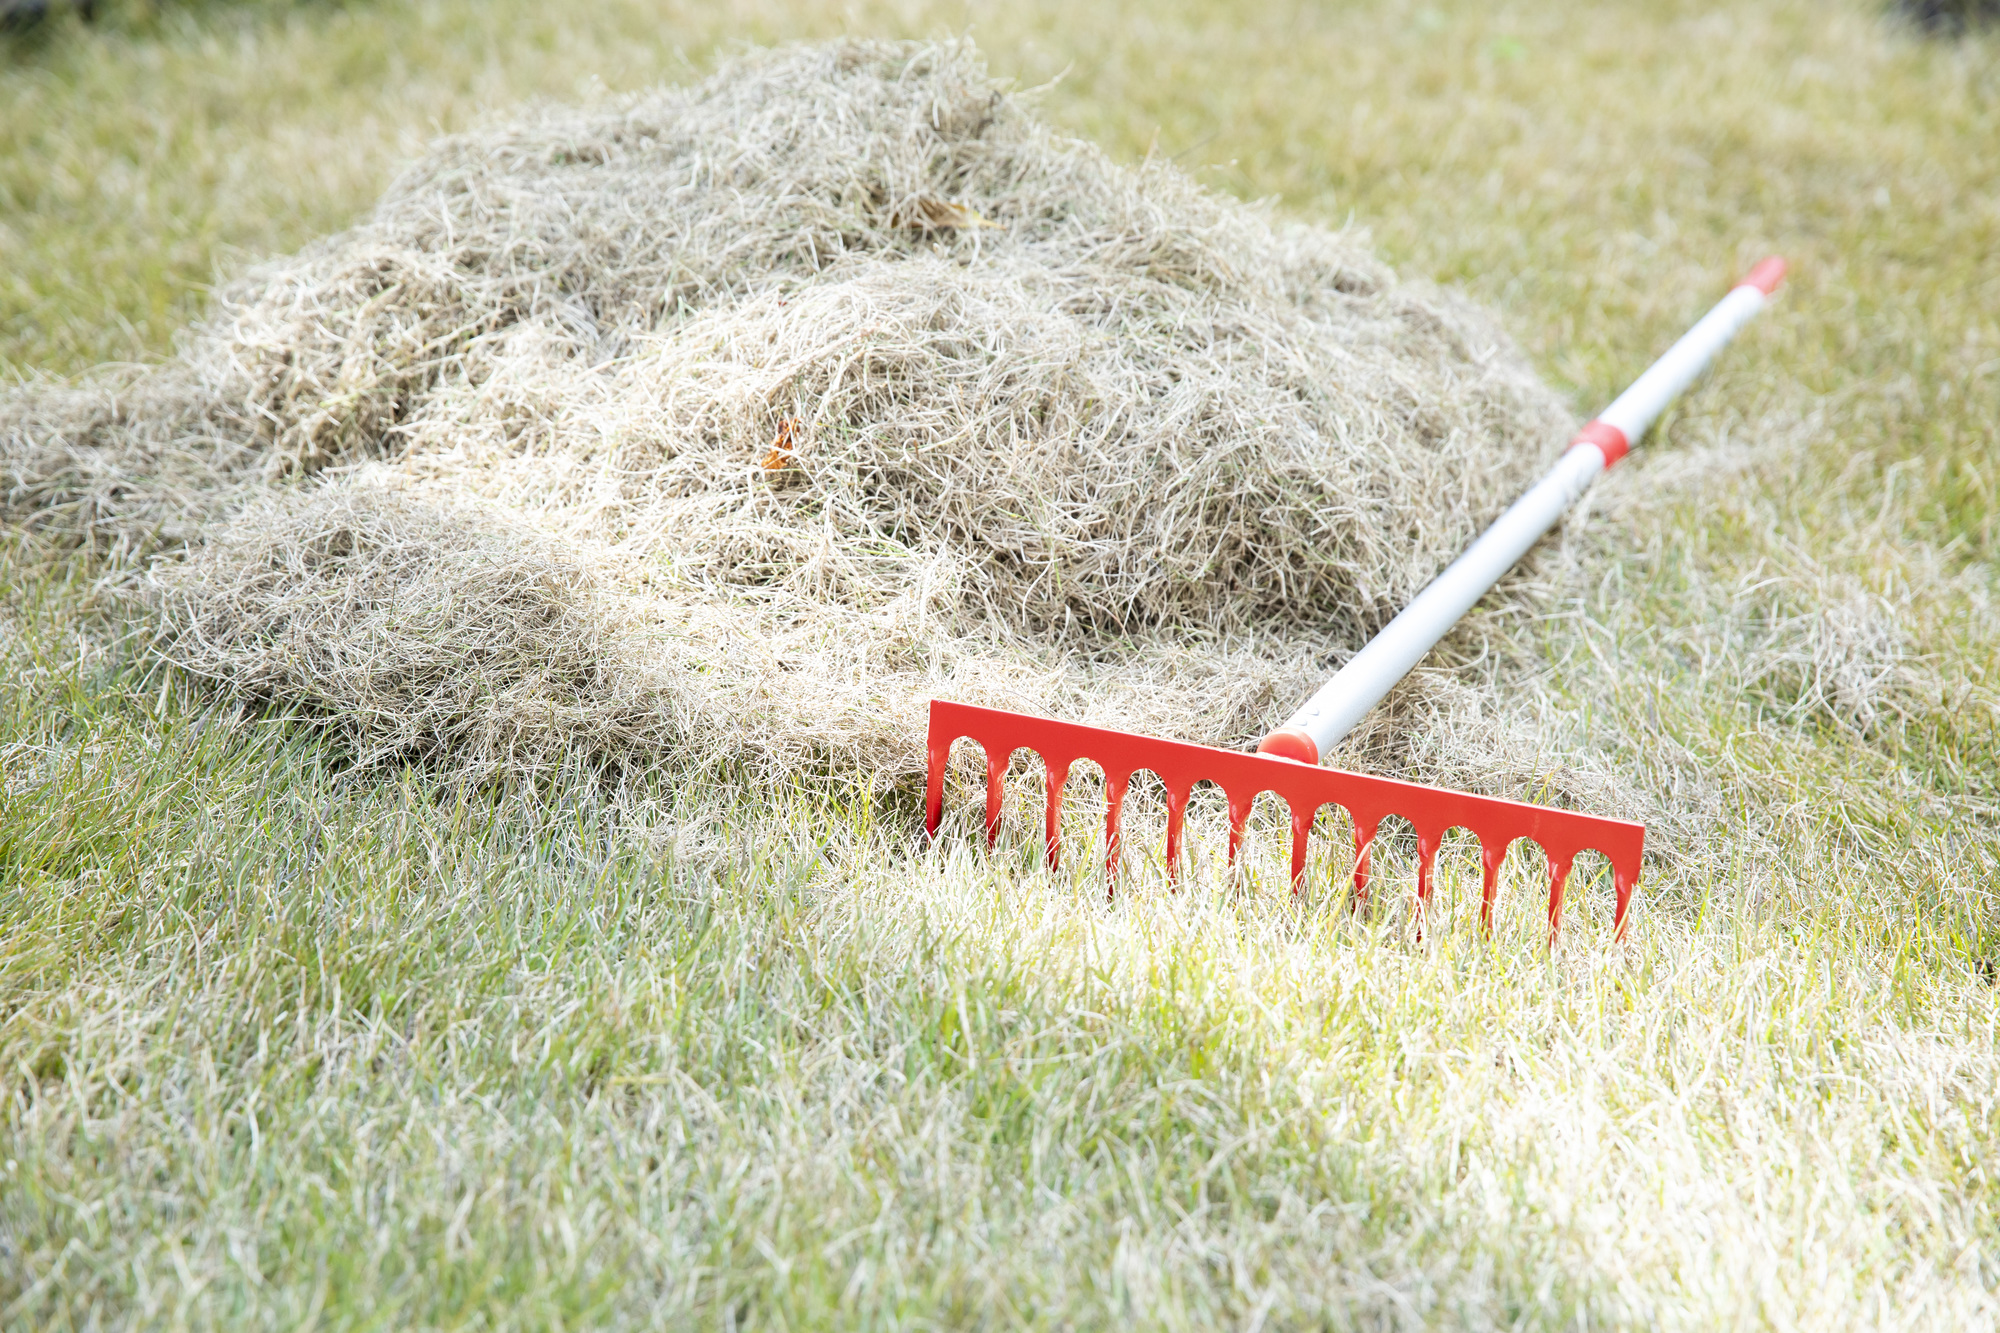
column 743, row 418
column 281, row 1041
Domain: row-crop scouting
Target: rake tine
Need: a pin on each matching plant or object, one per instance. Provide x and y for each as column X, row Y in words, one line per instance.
column 1052, row 820
column 1114, row 804
column 1364, row 838
column 1239, row 815
column 1492, row 851
column 996, row 773
column 1302, row 825
column 1427, row 850
column 1623, row 883
column 939, row 755
column 1177, row 799
column 1558, row 877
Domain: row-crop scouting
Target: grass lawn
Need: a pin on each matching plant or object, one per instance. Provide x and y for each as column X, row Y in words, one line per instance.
column 282, row 1044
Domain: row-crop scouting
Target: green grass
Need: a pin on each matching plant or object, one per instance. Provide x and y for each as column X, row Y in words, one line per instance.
column 285, row 1044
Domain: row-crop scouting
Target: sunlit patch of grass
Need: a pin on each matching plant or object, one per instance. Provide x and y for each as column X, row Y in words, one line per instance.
column 280, row 1041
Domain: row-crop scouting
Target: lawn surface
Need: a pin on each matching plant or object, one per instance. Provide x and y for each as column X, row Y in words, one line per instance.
column 286, row 1045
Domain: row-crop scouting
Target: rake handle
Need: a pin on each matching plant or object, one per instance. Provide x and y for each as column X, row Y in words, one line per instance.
column 1344, row 700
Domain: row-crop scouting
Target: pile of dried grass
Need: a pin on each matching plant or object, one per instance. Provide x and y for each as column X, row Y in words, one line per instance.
column 730, row 423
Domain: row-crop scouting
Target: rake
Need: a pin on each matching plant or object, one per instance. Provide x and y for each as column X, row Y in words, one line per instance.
column 1286, row 762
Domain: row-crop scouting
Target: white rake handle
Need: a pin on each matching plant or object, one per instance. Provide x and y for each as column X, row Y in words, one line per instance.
column 1359, row 686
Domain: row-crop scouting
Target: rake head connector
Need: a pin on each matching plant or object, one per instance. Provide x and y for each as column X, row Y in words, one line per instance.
column 1431, row 811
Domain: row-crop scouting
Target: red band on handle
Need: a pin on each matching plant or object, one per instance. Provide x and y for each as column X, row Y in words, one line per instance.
column 1766, row 276
column 1610, row 440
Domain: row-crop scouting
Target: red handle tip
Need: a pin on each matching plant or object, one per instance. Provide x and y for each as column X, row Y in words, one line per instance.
column 1766, row 276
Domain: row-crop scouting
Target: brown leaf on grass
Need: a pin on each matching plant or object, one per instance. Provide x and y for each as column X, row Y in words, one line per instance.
column 784, row 449
column 928, row 214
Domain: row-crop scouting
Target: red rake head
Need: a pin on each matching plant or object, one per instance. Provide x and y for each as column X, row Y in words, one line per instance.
column 1562, row 834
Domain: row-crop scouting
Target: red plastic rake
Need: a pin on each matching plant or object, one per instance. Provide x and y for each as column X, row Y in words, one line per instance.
column 1287, row 761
